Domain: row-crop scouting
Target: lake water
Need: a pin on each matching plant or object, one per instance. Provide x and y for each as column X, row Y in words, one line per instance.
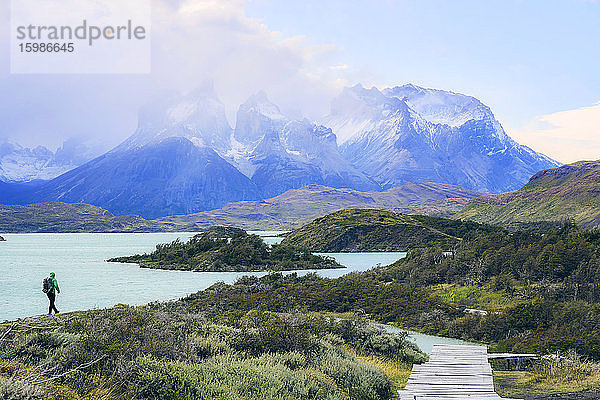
column 87, row 281
column 425, row 342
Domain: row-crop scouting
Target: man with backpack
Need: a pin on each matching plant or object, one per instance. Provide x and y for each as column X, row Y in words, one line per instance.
column 50, row 287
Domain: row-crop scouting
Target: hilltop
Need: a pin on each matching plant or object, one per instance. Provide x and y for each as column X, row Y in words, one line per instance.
column 376, row 230
column 297, row 207
column 62, row 217
column 564, row 194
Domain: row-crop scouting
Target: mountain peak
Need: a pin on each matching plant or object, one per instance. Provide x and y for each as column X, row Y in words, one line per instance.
column 258, row 98
column 369, row 96
column 357, row 108
column 24, row 164
column 413, row 133
column 257, row 117
column 198, row 116
column 259, row 103
column 441, row 106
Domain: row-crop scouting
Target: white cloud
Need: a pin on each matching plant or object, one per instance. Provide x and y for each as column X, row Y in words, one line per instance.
column 197, row 40
column 192, row 41
column 567, row 136
column 341, row 67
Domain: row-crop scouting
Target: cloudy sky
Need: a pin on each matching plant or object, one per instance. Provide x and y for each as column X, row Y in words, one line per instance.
column 535, row 63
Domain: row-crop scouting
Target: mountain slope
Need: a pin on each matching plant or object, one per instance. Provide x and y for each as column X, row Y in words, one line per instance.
column 62, row 217
column 184, row 157
column 377, row 230
column 276, row 152
column 279, row 153
column 567, row 193
column 173, row 176
column 296, row 207
column 409, row 133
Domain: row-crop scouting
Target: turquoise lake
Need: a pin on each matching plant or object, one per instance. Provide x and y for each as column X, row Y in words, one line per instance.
column 87, row 281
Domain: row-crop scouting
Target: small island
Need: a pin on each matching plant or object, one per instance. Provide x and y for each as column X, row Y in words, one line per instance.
column 226, row 249
column 2, row 239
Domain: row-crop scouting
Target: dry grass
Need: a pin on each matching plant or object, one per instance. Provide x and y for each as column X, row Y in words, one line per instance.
column 565, row 374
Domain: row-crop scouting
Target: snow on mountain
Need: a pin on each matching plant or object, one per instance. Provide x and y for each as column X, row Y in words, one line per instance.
column 185, row 157
column 439, row 106
column 22, row 164
column 199, row 117
column 281, row 153
column 409, row 133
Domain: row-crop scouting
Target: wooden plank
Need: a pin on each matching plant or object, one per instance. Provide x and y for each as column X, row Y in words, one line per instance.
column 453, row 372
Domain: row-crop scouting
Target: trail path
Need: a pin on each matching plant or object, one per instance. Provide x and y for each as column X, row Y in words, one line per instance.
column 452, row 372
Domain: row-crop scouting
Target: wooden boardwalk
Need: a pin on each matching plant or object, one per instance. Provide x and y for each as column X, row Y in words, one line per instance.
column 453, row 372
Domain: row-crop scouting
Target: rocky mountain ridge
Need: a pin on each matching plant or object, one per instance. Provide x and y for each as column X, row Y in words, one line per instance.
column 184, row 157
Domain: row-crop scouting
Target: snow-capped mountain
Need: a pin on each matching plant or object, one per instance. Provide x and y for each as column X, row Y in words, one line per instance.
column 172, row 163
column 439, row 106
column 276, row 152
column 22, row 164
column 173, row 176
column 408, row 133
column 199, row 117
column 280, row 153
column 184, row 156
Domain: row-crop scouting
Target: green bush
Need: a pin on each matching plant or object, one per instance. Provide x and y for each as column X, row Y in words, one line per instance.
column 159, row 352
column 227, row 377
column 11, row 389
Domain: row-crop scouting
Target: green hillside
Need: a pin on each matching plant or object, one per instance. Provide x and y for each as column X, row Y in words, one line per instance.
column 297, row 207
column 566, row 194
column 377, row 230
column 79, row 217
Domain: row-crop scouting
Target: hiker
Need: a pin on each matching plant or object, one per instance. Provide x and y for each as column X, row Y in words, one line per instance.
column 50, row 287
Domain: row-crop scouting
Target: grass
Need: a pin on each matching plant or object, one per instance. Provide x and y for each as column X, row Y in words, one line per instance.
column 475, row 296
column 297, row 207
column 570, row 375
column 546, row 378
column 552, row 196
column 77, row 217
